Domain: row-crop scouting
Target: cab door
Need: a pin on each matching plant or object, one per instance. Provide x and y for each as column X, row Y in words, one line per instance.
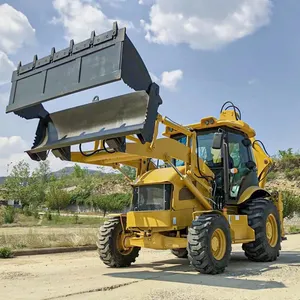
column 243, row 171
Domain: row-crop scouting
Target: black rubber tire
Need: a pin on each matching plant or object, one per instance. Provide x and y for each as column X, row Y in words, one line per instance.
column 107, row 245
column 199, row 244
column 258, row 210
column 180, row 252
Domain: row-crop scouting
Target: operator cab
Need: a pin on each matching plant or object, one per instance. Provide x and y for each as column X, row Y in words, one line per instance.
column 240, row 166
column 233, row 156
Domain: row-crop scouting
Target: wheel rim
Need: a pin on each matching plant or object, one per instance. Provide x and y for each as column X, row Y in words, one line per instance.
column 121, row 245
column 218, row 244
column 271, row 230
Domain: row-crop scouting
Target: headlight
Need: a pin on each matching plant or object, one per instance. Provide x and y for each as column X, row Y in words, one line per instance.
column 152, row 197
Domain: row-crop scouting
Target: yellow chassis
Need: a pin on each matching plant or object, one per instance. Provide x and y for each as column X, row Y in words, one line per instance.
column 166, row 149
column 148, row 229
column 161, row 222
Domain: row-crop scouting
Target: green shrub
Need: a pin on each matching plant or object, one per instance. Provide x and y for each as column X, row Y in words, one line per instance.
column 6, row 252
column 48, row 215
column 294, row 229
column 110, row 203
column 57, row 198
column 9, row 215
column 36, row 214
column 291, row 204
column 272, row 175
column 288, row 162
column 27, row 212
column 76, row 219
column 292, row 174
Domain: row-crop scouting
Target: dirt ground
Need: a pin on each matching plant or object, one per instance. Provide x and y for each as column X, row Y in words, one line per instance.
column 155, row 275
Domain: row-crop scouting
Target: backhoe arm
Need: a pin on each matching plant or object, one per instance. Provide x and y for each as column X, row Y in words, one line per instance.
column 263, row 162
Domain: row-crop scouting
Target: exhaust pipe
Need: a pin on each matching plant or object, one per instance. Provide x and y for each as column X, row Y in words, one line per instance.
column 97, row 61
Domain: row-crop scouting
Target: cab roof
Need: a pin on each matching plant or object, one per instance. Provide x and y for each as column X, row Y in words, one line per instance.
column 228, row 118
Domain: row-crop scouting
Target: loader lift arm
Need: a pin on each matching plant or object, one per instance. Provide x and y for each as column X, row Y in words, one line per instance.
column 138, row 155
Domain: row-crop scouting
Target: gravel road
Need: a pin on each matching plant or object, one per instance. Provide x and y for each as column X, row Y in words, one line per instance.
column 155, row 275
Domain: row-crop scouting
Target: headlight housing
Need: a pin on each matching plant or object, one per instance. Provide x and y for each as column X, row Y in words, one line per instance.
column 152, row 197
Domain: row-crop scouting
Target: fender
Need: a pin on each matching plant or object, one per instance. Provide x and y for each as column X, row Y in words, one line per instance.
column 253, row 192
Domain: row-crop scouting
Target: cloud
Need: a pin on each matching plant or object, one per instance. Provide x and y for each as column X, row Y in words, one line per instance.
column 11, row 145
column 252, row 81
column 3, row 98
column 12, row 151
column 115, row 3
column 154, row 78
column 170, row 79
column 205, row 25
column 81, row 17
column 7, row 163
column 15, row 29
column 6, row 68
column 15, row 32
column 146, row 2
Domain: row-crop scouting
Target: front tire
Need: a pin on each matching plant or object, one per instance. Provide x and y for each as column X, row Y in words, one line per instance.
column 263, row 217
column 110, row 247
column 209, row 244
column 180, row 252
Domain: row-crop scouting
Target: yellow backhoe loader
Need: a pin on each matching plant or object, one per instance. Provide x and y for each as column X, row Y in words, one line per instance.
column 208, row 194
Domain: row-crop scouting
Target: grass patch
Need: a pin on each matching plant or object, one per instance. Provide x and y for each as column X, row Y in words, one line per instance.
column 48, row 219
column 6, row 252
column 9, row 215
column 294, row 229
column 24, row 220
column 35, row 239
column 58, row 220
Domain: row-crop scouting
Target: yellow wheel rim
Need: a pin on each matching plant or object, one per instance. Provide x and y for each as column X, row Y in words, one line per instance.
column 272, row 230
column 121, row 244
column 218, row 244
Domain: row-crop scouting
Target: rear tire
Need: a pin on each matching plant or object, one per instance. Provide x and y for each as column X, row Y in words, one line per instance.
column 209, row 244
column 109, row 249
column 180, row 252
column 263, row 217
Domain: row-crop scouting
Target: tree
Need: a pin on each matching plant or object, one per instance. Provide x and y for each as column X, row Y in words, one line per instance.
column 129, row 171
column 110, row 203
column 40, row 178
column 57, row 199
column 43, row 172
column 79, row 172
column 83, row 190
column 17, row 184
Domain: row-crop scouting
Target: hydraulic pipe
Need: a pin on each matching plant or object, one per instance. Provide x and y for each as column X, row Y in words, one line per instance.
column 192, row 188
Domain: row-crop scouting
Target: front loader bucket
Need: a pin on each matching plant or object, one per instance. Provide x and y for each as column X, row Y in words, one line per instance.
column 100, row 60
column 107, row 119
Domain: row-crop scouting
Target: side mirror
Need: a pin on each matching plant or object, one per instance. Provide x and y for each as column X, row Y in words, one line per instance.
column 218, row 140
column 246, row 142
column 251, row 165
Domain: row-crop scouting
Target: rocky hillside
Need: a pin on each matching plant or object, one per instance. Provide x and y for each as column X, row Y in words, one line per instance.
column 282, row 183
column 286, row 172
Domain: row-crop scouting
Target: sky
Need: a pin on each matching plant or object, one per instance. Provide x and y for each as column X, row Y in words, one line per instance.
column 201, row 53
